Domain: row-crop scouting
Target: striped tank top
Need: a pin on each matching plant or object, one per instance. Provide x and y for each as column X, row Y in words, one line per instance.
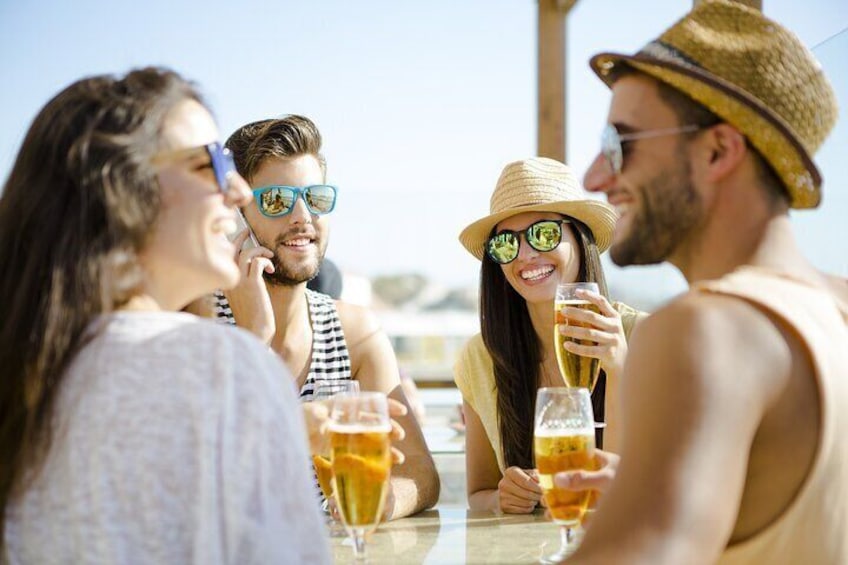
column 330, row 363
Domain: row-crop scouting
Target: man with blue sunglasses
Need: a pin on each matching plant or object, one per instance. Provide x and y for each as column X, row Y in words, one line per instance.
column 324, row 342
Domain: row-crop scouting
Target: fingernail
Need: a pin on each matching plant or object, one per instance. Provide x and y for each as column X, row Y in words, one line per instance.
column 563, row 482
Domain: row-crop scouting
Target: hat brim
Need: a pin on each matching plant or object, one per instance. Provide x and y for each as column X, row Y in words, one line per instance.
column 598, row 216
column 765, row 130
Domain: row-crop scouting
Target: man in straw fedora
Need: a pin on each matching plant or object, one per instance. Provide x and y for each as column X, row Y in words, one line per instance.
column 712, row 129
column 542, row 229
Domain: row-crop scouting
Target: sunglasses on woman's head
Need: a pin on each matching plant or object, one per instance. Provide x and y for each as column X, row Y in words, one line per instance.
column 544, row 235
column 276, row 201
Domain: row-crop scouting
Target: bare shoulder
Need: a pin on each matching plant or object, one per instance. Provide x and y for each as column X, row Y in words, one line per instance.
column 838, row 286
column 717, row 342
column 710, row 318
column 358, row 322
column 372, row 359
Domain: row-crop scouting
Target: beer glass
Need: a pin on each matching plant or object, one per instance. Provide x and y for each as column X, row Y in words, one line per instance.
column 563, row 440
column 361, row 459
column 578, row 371
column 321, row 461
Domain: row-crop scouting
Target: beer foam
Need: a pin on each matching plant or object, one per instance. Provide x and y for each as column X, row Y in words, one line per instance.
column 572, row 302
column 567, row 432
column 359, row 428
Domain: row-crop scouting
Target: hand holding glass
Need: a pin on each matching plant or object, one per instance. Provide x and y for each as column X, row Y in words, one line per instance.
column 361, row 460
column 563, row 440
column 321, row 462
column 577, row 370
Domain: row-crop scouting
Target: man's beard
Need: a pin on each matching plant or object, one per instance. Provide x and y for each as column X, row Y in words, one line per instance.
column 670, row 210
column 293, row 274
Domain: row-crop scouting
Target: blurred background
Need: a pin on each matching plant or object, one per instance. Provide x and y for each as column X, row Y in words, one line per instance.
column 421, row 104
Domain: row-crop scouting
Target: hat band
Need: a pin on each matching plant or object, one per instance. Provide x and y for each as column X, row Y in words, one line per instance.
column 803, row 182
column 666, row 52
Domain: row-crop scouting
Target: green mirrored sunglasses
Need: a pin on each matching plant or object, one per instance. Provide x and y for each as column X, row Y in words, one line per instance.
column 544, row 235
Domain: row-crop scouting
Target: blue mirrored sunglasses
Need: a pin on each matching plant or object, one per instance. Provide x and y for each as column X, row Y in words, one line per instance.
column 275, row 201
column 222, row 164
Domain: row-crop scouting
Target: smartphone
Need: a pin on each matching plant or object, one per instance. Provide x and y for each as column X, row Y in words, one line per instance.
column 241, row 223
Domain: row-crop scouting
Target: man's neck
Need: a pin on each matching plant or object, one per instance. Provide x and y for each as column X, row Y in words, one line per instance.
column 291, row 311
column 761, row 240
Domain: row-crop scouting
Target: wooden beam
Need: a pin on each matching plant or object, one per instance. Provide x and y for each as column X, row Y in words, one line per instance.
column 553, row 15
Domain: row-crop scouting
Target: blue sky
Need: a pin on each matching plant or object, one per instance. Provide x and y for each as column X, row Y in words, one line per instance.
column 420, row 103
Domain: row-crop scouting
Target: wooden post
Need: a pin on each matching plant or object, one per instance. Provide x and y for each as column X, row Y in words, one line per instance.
column 553, row 15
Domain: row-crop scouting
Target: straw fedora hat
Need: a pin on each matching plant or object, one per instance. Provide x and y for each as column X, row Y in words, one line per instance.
column 754, row 74
column 539, row 184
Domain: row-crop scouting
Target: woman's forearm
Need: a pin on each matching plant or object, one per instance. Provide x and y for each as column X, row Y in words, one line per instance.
column 486, row 499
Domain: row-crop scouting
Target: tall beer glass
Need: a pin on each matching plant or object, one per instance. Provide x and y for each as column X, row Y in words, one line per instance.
column 578, row 371
column 361, row 460
column 321, row 461
column 563, row 440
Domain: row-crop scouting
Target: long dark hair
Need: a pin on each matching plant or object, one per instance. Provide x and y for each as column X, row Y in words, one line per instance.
column 507, row 331
column 76, row 209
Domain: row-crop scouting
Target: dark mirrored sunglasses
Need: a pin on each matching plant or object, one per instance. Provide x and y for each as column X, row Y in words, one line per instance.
column 277, row 200
column 543, row 236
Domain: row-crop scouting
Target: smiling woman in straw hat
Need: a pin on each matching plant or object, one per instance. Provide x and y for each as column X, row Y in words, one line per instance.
column 500, row 370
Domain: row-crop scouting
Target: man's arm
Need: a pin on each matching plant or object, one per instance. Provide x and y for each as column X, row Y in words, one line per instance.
column 699, row 377
column 415, row 482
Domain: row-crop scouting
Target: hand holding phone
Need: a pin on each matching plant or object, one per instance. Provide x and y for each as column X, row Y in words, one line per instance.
column 249, row 299
column 241, row 225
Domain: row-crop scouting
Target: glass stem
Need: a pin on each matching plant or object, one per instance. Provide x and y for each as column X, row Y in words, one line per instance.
column 566, row 534
column 358, row 536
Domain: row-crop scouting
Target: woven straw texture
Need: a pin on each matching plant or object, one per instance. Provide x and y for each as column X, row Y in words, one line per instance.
column 539, row 184
column 754, row 74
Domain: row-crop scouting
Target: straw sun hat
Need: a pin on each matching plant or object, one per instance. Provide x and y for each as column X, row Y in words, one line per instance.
column 754, row 74
column 540, row 185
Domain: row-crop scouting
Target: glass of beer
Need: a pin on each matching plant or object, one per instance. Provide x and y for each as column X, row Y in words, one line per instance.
column 321, row 461
column 361, row 460
column 563, row 440
column 577, row 370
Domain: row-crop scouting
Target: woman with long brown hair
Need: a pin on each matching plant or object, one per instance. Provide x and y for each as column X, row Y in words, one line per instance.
column 130, row 431
column 500, row 369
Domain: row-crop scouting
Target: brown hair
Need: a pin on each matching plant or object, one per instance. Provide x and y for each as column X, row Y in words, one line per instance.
column 77, row 208
column 506, row 329
column 290, row 136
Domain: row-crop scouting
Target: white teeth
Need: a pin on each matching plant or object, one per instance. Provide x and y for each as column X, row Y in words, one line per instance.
column 537, row 273
column 297, row 242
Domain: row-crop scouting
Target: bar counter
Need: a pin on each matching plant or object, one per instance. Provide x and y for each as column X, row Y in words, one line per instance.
column 456, row 535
